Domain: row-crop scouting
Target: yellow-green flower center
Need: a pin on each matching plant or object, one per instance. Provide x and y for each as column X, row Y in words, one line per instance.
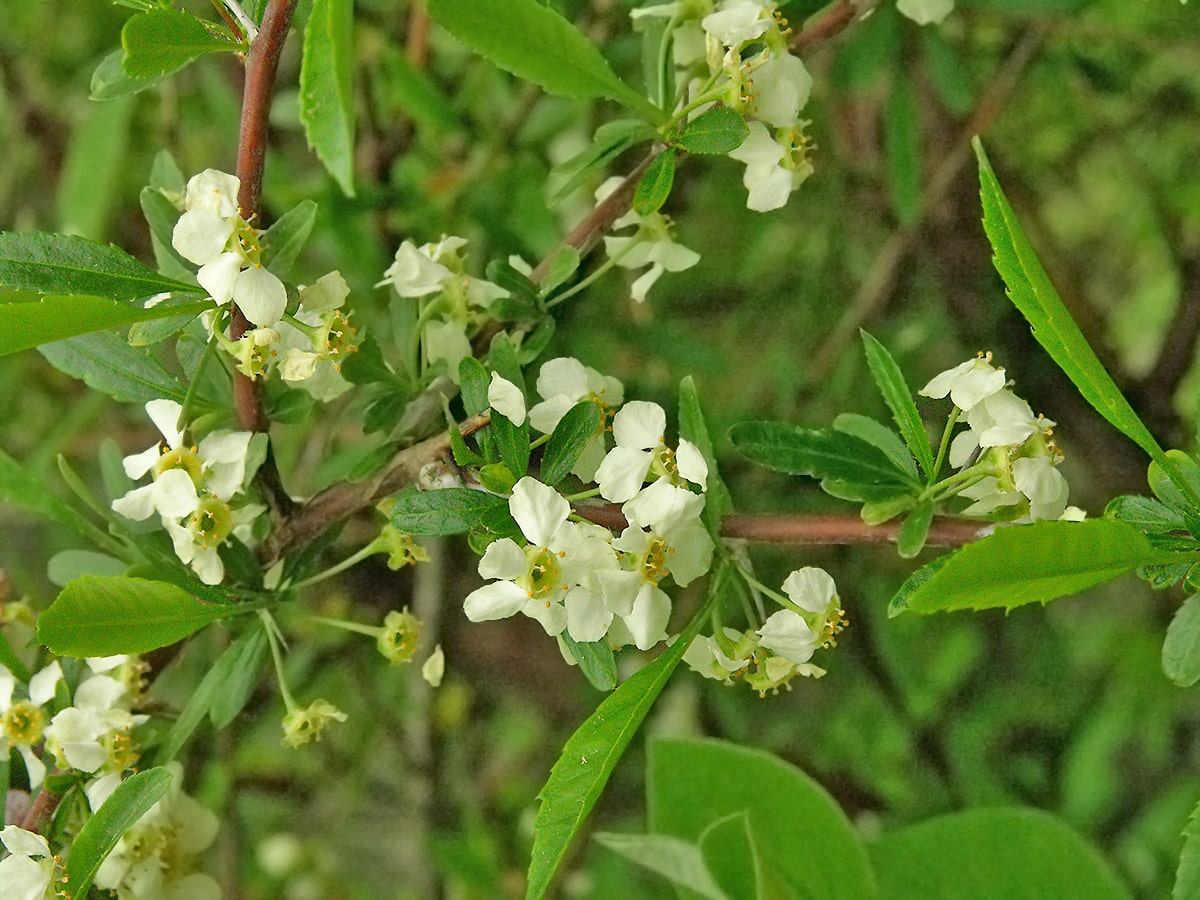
column 211, row 522
column 545, row 573
column 23, row 724
column 180, row 458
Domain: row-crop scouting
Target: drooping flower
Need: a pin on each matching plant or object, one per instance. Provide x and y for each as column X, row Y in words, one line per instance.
column 650, row 244
column 303, row 725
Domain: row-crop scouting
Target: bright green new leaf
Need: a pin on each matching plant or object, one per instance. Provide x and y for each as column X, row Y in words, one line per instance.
column 899, row 398
column 911, row 539
column 473, row 380
column 537, row 44
column 106, row 362
column 162, row 41
column 513, row 443
column 161, row 215
column 94, row 616
column 1031, row 292
column 655, row 186
column 327, row 88
column 588, row 759
column 1033, row 564
column 677, row 861
column 731, row 853
column 1181, row 649
column 991, row 854
column 62, row 264
column 820, row 453
column 878, row 435
column 55, row 317
column 1187, row 876
column 693, row 784
column 129, row 802
column 717, row 130
column 449, row 511
column 572, row 434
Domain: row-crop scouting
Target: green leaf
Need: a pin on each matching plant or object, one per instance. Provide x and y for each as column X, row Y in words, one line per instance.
column 1174, row 485
column 596, row 661
column 129, row 802
column 55, row 317
column 473, row 380
column 678, row 861
column 286, row 237
column 1145, row 514
column 222, row 692
column 95, row 616
column 878, row 435
column 655, row 186
column 537, row 44
column 327, row 88
column 588, row 759
column 505, row 361
column 110, row 81
column 106, row 362
column 731, row 853
column 611, row 140
column 911, row 539
column 581, row 423
column 717, row 501
column 448, row 511
column 161, row 215
column 1181, row 649
column 823, row 453
column 691, row 784
column 67, row 565
column 97, row 156
column 1187, row 876
column 513, row 443
column 992, row 854
column 418, row 95
column 12, row 662
column 718, row 130
column 23, row 489
column 62, row 264
column 564, row 262
column 899, row 399
column 1030, row 290
column 902, row 143
column 1034, row 564
column 162, row 41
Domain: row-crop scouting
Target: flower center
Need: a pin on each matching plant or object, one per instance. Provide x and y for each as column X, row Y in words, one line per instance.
column 23, row 724
column 545, row 573
column 180, row 458
column 211, row 522
column 655, row 563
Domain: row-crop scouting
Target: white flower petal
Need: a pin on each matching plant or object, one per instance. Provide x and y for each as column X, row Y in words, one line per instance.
column 200, row 235
column 925, row 12
column 214, row 191
column 174, row 494
column 24, row 878
column 564, row 375
column 503, row 559
column 639, row 425
column 647, row 620
column 781, row 89
column 692, row 465
column 811, row 589
column 23, row 843
column 137, row 505
column 434, row 668
column 506, row 398
column 621, row 474
column 260, row 295
column 498, row 600
column 165, row 416
column 220, row 276
column 539, row 510
column 587, row 616
column 787, row 634
column 42, row 685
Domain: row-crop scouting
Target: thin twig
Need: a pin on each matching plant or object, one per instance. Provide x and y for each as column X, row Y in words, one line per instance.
column 822, row 27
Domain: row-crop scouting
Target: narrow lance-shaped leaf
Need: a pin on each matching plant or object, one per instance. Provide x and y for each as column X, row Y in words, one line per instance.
column 55, row 317
column 591, row 754
column 107, row 363
column 327, row 88
column 1031, row 292
column 899, row 399
column 62, row 264
column 129, row 802
column 1033, row 564
column 820, row 453
column 95, row 616
column 692, row 427
column 536, row 43
column 1187, row 876
column 572, row 434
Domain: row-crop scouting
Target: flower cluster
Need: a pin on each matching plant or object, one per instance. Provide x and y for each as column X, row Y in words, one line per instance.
column 451, row 306
column 92, row 736
column 308, row 345
column 197, row 491
column 769, row 657
column 1006, row 460
column 736, row 53
column 576, row 577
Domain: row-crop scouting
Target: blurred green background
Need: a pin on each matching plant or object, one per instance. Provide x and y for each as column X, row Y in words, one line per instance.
column 1089, row 112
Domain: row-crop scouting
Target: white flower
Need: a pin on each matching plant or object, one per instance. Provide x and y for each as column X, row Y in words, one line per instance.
column 156, row 858
column 767, row 176
column 638, row 430
column 925, row 12
column 506, row 398
column 787, row 634
column 738, row 23
column 23, row 722
column 214, row 191
column 1043, row 485
column 813, row 590
column 780, row 88
column 83, row 734
column 967, row 383
column 650, row 245
column 414, row 272
column 534, row 580
column 28, row 872
column 564, row 382
column 707, row 654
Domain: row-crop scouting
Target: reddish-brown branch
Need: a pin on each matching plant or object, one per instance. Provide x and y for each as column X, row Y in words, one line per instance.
column 40, row 812
column 825, row 25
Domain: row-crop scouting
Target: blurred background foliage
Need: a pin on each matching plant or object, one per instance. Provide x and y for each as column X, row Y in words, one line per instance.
column 1088, row 111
